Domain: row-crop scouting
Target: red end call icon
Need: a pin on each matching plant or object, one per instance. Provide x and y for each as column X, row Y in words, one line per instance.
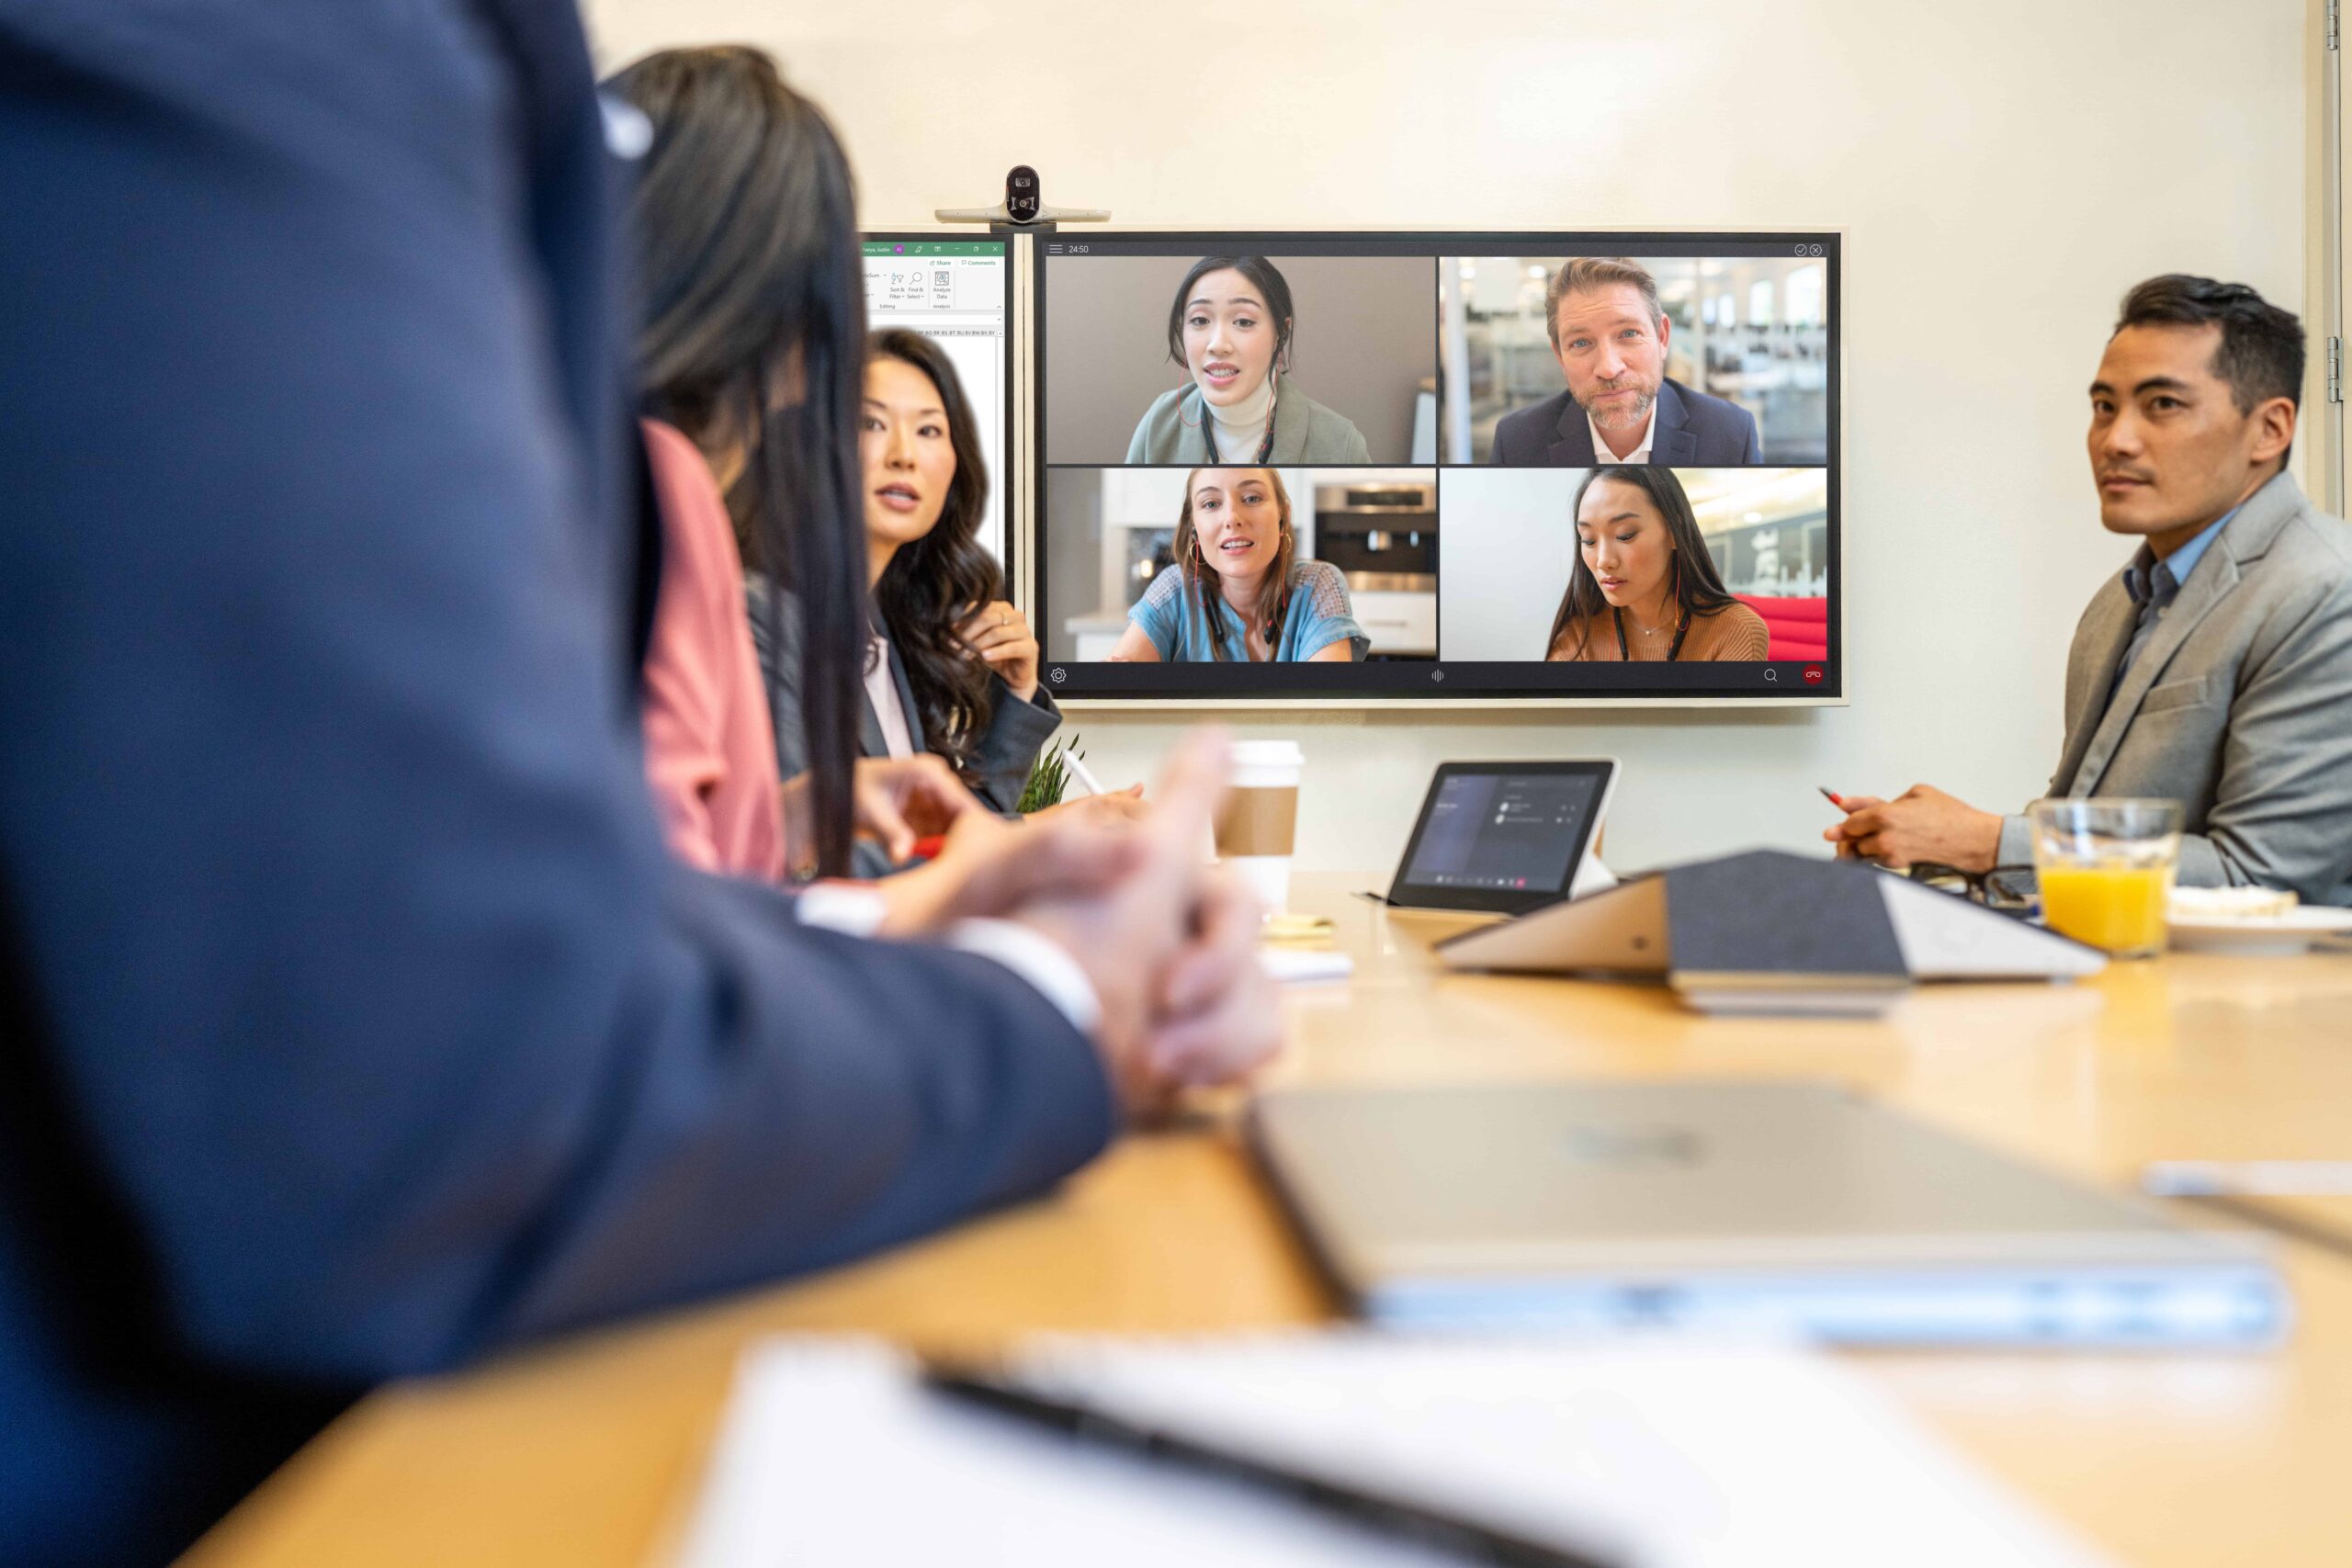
column 1813, row 674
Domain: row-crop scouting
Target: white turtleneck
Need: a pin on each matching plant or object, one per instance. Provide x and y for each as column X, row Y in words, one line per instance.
column 1241, row 428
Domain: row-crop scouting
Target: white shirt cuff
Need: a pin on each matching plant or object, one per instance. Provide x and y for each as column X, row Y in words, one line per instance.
column 854, row 909
column 848, row 907
column 1037, row 959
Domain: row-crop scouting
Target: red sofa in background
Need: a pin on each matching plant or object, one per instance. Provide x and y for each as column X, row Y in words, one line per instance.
column 1800, row 627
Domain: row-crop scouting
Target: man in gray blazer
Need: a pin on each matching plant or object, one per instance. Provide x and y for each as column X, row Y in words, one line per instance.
column 1611, row 336
column 2216, row 670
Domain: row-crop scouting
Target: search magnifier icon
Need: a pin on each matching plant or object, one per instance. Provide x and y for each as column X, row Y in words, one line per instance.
column 1771, row 675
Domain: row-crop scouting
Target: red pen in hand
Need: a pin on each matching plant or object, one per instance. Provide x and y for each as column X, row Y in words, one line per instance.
column 1833, row 797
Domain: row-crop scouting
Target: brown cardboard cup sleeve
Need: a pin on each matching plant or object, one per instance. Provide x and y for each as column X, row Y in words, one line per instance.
column 1258, row 821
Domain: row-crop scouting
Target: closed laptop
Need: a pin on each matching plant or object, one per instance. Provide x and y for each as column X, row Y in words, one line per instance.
column 1781, row 1208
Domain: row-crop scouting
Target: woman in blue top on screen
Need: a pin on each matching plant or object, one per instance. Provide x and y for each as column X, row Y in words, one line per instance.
column 1239, row 592
column 1230, row 327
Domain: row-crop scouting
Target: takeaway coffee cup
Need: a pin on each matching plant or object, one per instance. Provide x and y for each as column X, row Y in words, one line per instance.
column 1255, row 830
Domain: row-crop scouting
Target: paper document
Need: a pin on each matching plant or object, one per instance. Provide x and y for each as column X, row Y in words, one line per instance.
column 1295, row 966
column 1659, row 1455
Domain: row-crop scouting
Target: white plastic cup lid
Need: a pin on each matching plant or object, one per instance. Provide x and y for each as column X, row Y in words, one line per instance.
column 1268, row 754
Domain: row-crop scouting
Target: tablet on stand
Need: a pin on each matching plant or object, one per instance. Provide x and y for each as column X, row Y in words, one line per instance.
column 1505, row 837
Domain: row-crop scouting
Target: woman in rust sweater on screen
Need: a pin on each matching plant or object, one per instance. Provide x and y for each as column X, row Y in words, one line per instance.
column 1641, row 584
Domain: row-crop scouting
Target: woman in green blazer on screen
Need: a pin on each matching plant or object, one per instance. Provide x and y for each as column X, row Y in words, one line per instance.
column 1229, row 326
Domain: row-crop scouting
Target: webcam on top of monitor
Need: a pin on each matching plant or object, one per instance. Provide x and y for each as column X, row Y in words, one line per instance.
column 1023, row 206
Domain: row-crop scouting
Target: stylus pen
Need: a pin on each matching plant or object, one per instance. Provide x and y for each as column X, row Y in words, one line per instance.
column 1093, row 786
column 1434, row 1527
column 1832, row 796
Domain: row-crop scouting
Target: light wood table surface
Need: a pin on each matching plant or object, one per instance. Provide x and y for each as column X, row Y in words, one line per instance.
column 585, row 1453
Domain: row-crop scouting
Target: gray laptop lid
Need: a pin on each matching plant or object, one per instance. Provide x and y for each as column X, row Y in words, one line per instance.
column 1674, row 1180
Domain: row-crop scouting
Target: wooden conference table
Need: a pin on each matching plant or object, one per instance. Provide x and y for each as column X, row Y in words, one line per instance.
column 587, row 1452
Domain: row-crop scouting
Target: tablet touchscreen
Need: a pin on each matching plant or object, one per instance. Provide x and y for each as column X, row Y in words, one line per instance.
column 1504, row 836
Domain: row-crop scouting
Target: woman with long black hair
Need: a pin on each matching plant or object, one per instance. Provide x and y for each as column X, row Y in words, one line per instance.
column 1231, row 329
column 1641, row 583
column 751, row 348
column 952, row 666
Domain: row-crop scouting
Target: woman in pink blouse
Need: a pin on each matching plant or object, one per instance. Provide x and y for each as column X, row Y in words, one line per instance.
column 750, row 353
column 710, row 750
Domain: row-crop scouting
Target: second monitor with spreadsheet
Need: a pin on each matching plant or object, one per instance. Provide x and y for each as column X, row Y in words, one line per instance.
column 959, row 294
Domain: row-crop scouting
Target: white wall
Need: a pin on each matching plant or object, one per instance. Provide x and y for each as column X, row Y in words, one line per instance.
column 1503, row 558
column 1509, row 546
column 2004, row 170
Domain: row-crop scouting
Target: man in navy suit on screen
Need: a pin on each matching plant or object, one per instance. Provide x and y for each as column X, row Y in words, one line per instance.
column 1620, row 406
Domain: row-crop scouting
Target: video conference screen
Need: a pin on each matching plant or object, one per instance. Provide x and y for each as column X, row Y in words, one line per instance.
column 1443, row 465
column 958, row 293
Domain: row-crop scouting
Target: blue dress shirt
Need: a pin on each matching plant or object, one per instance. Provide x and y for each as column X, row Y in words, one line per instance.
column 2154, row 584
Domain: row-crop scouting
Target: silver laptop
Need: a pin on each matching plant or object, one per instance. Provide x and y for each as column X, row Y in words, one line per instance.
column 1777, row 1207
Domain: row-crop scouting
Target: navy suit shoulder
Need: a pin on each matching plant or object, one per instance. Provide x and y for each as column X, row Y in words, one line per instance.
column 1691, row 428
column 353, row 1019
column 1703, row 431
column 1525, row 439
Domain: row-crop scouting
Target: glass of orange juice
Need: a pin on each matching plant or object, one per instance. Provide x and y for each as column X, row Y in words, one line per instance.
column 2106, row 867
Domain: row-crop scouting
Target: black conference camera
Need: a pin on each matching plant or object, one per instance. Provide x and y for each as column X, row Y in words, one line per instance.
column 1021, row 198
column 1023, row 206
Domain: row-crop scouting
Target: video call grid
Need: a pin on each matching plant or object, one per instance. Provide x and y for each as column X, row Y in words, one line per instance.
column 1440, row 677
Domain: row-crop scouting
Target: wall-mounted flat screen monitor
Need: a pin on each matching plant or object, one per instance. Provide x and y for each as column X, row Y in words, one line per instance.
column 1435, row 467
column 958, row 293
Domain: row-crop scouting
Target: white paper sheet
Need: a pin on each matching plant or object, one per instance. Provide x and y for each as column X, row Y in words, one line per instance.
column 1662, row 1455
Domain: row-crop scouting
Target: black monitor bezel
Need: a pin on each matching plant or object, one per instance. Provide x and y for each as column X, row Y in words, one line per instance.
column 1792, row 682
